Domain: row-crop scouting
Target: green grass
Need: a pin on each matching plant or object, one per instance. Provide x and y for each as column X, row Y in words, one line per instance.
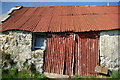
column 13, row 73
column 115, row 74
column 83, row 77
column 0, row 74
column 7, row 73
column 28, row 71
column 112, row 74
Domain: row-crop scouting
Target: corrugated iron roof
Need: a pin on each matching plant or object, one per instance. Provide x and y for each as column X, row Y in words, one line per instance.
column 63, row 19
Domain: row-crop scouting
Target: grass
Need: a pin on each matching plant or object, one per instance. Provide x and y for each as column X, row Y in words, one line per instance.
column 112, row 75
column 32, row 73
column 7, row 73
column 12, row 72
column 83, row 77
column 0, row 74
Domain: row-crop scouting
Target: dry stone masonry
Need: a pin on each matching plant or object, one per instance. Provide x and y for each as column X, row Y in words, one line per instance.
column 109, row 49
column 19, row 45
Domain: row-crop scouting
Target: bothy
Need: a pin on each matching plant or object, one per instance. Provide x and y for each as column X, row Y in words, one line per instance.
column 65, row 40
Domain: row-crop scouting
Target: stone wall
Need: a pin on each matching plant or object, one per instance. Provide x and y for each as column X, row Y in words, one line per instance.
column 19, row 45
column 109, row 49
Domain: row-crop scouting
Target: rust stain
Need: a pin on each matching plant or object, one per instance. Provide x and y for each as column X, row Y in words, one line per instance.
column 64, row 55
column 63, row 19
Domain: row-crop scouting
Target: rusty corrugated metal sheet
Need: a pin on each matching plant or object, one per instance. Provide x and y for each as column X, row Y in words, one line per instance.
column 64, row 55
column 86, row 56
column 58, row 54
column 63, row 19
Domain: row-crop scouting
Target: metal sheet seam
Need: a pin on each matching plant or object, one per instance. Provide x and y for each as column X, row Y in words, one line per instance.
column 37, row 23
column 15, row 20
column 49, row 23
column 74, row 21
column 28, row 19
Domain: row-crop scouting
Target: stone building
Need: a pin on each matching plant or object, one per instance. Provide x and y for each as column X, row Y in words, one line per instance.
column 62, row 39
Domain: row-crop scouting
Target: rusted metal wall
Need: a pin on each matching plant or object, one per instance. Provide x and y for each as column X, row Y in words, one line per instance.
column 86, row 55
column 71, row 54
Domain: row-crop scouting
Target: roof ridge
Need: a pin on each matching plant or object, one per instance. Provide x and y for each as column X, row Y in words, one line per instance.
column 77, row 6
column 65, row 18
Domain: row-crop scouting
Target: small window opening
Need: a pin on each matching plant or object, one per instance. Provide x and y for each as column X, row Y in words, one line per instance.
column 39, row 41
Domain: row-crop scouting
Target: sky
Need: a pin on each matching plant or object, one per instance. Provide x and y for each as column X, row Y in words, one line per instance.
column 8, row 5
column 60, row 0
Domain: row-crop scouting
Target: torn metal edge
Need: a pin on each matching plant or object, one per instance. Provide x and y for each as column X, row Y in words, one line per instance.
column 6, row 15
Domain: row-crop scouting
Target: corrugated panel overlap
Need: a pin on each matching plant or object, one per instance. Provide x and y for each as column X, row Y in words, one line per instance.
column 63, row 18
column 64, row 55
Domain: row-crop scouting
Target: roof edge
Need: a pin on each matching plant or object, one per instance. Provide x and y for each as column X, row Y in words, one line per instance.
column 76, row 6
column 6, row 15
